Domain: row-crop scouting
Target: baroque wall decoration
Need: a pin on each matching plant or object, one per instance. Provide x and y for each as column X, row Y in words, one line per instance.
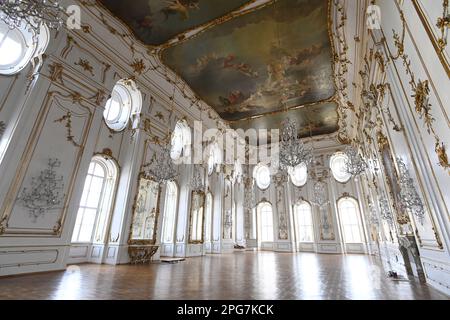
column 439, row 37
column 341, row 64
column 86, row 66
column 283, row 232
column 421, row 95
column 67, row 119
column 409, row 196
column 44, row 193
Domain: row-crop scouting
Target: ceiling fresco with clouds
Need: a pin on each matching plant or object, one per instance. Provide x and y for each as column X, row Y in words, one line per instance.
column 274, row 58
column 154, row 22
column 315, row 119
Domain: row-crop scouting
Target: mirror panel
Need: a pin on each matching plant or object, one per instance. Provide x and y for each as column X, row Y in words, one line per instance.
column 197, row 217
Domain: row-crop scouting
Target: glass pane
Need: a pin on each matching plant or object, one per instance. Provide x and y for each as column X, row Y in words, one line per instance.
column 11, row 48
column 337, row 165
column 348, row 211
column 95, row 192
column 88, row 225
column 99, row 171
column 77, row 225
column 170, row 213
column 87, row 184
column 112, row 109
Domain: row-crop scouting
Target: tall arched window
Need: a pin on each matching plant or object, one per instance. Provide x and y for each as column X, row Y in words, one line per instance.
column 170, row 212
column 304, row 222
column 349, row 216
column 96, row 202
column 123, row 106
column 19, row 46
column 265, row 216
column 208, row 217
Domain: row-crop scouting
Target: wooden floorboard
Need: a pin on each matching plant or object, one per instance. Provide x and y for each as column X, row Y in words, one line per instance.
column 242, row 275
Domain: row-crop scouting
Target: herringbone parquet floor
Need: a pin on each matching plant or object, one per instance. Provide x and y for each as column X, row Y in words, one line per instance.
column 246, row 275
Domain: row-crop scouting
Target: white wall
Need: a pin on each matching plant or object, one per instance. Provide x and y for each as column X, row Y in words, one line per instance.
column 399, row 73
column 60, row 85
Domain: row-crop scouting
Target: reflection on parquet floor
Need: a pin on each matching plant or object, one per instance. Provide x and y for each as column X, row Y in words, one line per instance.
column 249, row 275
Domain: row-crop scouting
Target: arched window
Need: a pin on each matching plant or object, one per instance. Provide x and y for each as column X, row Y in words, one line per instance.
column 124, row 105
column 299, row 175
column 349, row 216
column 96, row 202
column 208, row 217
column 19, row 46
column 181, row 141
column 170, row 212
column 261, row 174
column 337, row 166
column 304, row 222
column 265, row 216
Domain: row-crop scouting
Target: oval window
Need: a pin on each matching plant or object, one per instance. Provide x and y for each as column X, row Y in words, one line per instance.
column 337, row 166
column 299, row 175
column 262, row 176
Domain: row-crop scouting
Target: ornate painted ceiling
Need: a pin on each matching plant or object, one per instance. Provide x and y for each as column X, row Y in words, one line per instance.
column 249, row 68
column 155, row 22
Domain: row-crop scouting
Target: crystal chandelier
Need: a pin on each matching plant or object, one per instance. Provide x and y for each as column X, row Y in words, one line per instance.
column 292, row 150
column 161, row 168
column 354, row 163
column 34, row 13
column 197, row 184
column 385, row 210
column 410, row 199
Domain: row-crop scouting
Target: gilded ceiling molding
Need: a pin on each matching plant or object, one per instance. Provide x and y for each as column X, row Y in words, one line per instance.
column 193, row 32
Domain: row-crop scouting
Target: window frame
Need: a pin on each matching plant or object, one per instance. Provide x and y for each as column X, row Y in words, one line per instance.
column 106, row 201
column 264, row 227
column 294, row 179
column 299, row 226
column 174, row 212
column 333, row 158
column 130, row 104
column 358, row 225
column 33, row 46
column 209, row 210
column 257, row 171
column 182, row 132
